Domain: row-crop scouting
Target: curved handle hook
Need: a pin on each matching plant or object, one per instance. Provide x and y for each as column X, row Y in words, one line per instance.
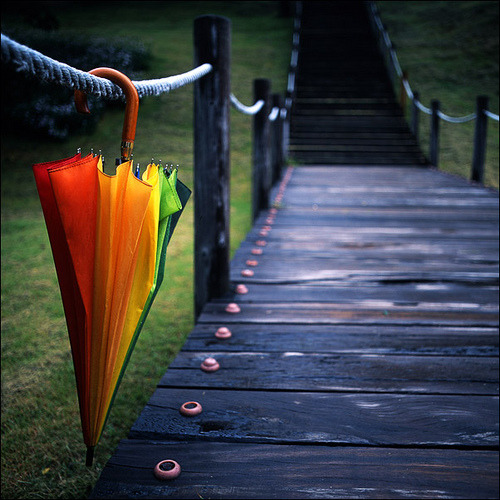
column 131, row 109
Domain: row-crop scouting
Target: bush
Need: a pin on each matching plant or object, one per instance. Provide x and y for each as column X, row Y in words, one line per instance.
column 47, row 110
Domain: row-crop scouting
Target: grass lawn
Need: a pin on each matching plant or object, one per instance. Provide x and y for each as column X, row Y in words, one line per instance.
column 450, row 51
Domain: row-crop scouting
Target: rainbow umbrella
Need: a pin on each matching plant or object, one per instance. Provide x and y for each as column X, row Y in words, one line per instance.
column 108, row 235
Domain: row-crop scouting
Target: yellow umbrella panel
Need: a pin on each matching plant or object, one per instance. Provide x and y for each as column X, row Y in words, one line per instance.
column 127, row 212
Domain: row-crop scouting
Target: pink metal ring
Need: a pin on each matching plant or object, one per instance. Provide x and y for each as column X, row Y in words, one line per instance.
column 251, row 262
column 263, row 232
column 247, row 272
column 256, row 251
column 223, row 333
column 273, row 211
column 167, row 469
column 261, row 243
column 190, row 409
column 233, row 308
column 266, row 228
column 210, row 365
column 241, row 289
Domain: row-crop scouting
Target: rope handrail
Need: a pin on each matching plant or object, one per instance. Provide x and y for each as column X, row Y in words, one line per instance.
column 423, row 108
column 247, row 110
column 406, row 85
column 274, row 114
column 458, row 119
column 31, row 61
column 491, row 115
column 255, row 108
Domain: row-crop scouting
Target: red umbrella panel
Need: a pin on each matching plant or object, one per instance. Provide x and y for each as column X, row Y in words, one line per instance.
column 77, row 300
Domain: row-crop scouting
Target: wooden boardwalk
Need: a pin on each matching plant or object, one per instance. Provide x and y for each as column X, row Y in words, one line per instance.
column 363, row 363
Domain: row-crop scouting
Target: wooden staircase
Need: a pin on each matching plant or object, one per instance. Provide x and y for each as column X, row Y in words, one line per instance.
column 345, row 111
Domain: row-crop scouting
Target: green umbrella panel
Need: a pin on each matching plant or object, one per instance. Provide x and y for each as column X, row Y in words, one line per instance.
column 173, row 198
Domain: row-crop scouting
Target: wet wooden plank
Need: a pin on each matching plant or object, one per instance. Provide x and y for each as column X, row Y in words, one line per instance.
column 298, row 371
column 322, row 418
column 292, row 275
column 354, row 177
column 276, row 264
column 309, row 195
column 234, row 470
column 354, row 339
column 457, row 250
column 380, row 313
column 337, row 217
column 409, row 294
column 377, row 233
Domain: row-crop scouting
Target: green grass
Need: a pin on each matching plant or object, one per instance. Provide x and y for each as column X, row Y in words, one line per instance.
column 450, row 51
column 42, row 447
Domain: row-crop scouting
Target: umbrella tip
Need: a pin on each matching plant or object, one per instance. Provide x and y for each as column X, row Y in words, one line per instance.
column 90, row 456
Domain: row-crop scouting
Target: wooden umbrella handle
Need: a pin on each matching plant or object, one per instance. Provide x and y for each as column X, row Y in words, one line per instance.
column 131, row 109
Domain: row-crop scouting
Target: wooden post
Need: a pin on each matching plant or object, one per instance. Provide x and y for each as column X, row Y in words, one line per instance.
column 479, row 155
column 286, row 127
column 434, row 137
column 261, row 177
column 212, row 44
column 415, row 116
column 277, row 151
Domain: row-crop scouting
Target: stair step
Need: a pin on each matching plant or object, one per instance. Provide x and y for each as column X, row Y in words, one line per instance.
column 294, row 142
column 340, row 159
column 343, row 137
column 353, row 148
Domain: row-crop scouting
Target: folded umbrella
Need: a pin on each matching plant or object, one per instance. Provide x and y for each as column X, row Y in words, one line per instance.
column 108, row 235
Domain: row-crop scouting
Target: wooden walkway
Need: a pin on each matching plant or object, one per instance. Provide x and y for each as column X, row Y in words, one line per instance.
column 363, row 363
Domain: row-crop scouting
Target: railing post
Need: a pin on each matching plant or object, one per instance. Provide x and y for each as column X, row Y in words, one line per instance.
column 415, row 116
column 277, row 158
column 479, row 155
column 286, row 128
column 212, row 44
column 261, row 162
column 434, row 137
column 292, row 73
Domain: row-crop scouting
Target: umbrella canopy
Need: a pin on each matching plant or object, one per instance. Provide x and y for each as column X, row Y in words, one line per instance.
column 109, row 235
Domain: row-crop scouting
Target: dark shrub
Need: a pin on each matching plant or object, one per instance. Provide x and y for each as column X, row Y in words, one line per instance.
column 46, row 109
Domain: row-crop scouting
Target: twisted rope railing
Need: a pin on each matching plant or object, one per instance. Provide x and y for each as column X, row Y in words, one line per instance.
column 30, row 61
column 480, row 116
column 247, row 110
column 404, row 81
column 491, row 115
column 274, row 114
column 456, row 119
column 255, row 108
